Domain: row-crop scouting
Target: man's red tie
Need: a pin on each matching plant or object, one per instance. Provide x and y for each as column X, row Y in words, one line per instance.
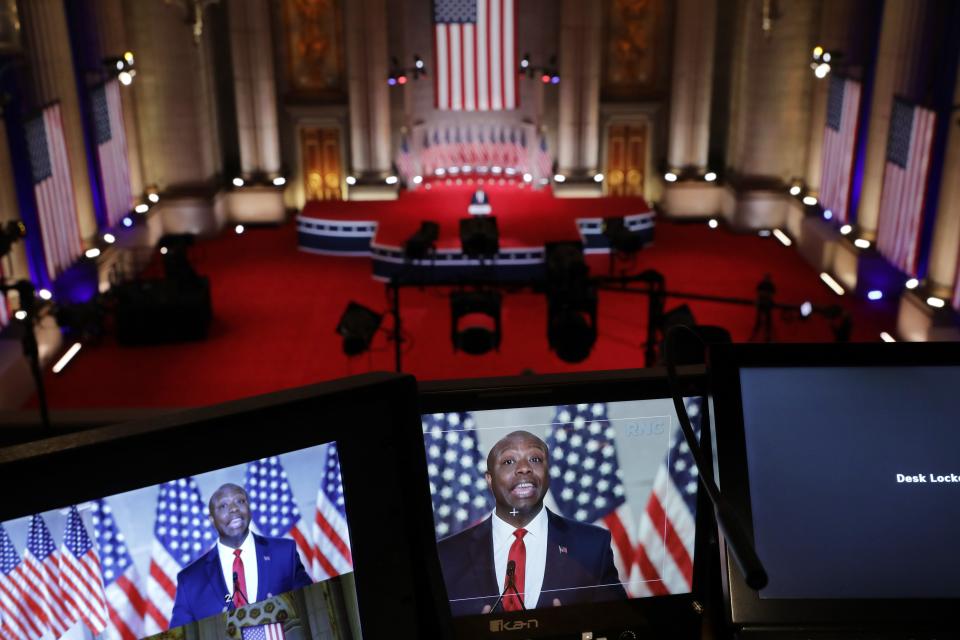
column 518, row 554
column 240, row 584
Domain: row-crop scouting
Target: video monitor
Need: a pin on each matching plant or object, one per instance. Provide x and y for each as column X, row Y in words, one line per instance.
column 843, row 460
column 563, row 504
column 257, row 519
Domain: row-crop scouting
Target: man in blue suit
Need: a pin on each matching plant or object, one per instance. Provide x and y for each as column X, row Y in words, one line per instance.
column 533, row 556
column 241, row 569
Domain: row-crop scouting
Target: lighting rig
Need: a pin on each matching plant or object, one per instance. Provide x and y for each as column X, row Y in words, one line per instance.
column 400, row 75
column 548, row 74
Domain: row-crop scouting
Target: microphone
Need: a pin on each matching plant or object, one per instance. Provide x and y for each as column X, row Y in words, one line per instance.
column 237, row 589
column 511, row 569
column 511, row 572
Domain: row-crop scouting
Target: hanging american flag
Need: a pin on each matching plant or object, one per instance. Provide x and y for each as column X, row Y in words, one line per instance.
column 273, row 510
column 839, row 137
column 56, row 205
column 182, row 533
column 905, row 184
column 455, row 467
column 81, row 581
column 475, row 42
column 41, row 573
column 331, row 537
column 126, row 605
column 272, row 631
column 112, row 150
column 585, row 477
column 19, row 610
column 667, row 527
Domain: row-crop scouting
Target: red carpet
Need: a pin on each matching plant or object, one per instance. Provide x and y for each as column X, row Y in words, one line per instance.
column 276, row 309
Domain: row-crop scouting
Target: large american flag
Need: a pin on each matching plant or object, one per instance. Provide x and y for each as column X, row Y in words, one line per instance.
column 586, row 482
column 273, row 631
column 331, row 537
column 112, row 150
column 273, row 510
column 19, row 611
column 56, row 205
column 839, row 137
column 455, row 467
column 667, row 526
column 475, row 43
column 182, row 533
column 41, row 573
column 905, row 184
column 81, row 582
column 126, row 605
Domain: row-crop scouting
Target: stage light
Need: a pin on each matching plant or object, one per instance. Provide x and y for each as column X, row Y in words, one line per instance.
column 238, row 182
column 572, row 324
column 127, row 221
column 20, row 315
column 153, row 197
column 559, row 178
column 912, row 283
column 417, row 179
column 351, row 180
column 391, row 180
column 164, row 251
column 826, row 56
column 860, row 243
column 125, row 78
column 670, row 176
column 598, row 177
column 279, row 181
column 128, row 57
column 846, row 229
column 391, row 81
column 45, row 294
column 782, row 237
column 935, row 302
column 545, row 78
column 795, row 190
column 439, row 172
column 142, row 208
column 67, row 357
column 810, row 201
column 554, row 79
column 525, row 61
column 402, row 79
column 466, row 168
column 239, row 229
column 822, row 70
column 92, row 253
column 712, row 223
column 511, row 171
column 806, row 309
column 827, row 214
column 120, row 65
column 497, row 170
column 886, row 337
column 833, row 284
column 418, row 62
column 475, row 321
column 358, row 325
column 764, row 233
column 710, row 176
column 817, row 52
column 109, row 238
column 527, row 177
column 875, row 294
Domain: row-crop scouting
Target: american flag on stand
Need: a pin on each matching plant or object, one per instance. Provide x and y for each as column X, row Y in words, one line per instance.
column 182, row 533
column 905, row 184
column 331, row 538
column 483, row 151
column 81, row 581
column 126, row 605
column 471, row 147
column 544, row 164
column 455, row 467
column 426, row 155
column 956, row 291
column 56, row 206
column 667, row 526
column 41, row 574
column 273, row 509
column 523, row 152
column 19, row 611
column 585, row 477
column 112, row 150
column 4, row 305
column 273, row 631
column 405, row 161
column 839, row 137
column 475, row 43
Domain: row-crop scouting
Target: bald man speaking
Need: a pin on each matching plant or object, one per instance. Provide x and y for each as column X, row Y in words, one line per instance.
column 535, row 557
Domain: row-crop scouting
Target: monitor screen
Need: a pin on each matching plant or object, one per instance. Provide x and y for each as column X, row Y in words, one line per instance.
column 560, row 505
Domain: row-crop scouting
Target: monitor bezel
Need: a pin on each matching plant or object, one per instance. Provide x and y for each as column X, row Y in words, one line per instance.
column 669, row 615
column 744, row 607
column 391, row 593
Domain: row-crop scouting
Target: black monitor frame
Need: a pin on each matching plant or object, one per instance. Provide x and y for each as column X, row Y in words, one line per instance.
column 666, row 616
column 366, row 415
column 744, row 607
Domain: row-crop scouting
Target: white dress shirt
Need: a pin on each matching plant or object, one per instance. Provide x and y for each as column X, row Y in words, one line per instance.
column 248, row 553
column 535, row 542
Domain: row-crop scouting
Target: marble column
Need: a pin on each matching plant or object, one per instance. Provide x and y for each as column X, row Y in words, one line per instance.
column 945, row 245
column 692, row 84
column 578, row 140
column 898, row 73
column 52, row 73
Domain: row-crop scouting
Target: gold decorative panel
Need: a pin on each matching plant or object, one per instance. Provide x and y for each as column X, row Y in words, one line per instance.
column 321, row 164
column 314, row 42
column 636, row 51
column 626, row 159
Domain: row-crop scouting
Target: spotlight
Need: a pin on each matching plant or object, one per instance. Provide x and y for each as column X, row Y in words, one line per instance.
column 164, row 251
column 764, row 233
column 439, row 172
column 559, row 178
column 392, row 81
column 418, row 63
column 45, row 294
column 827, row 214
column 782, row 237
column 827, row 57
column 806, row 309
column 524, row 62
column 886, row 337
column 67, row 357
column 475, row 321
column 810, row 201
column 710, row 176
column 109, row 238
column 351, row 180
column 153, row 197
column 527, row 177
column 279, row 181
column 20, row 314
column 358, row 325
column 128, row 57
column 822, row 70
column 912, row 283
column 598, row 177
column 670, row 176
column 936, row 303
column 554, row 79
column 860, row 243
column 833, row 284
column 127, row 222
column 125, row 78
column 875, row 294
column 545, row 79
column 712, row 223
column 391, row 180
column 846, row 229
column 238, row 182
column 92, row 253
column 239, row 229
column 142, row 208
column 795, row 190
column 120, row 65
column 817, row 52
column 402, row 79
column 417, row 179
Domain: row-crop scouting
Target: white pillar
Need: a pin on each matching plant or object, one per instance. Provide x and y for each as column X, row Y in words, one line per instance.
column 366, row 40
column 578, row 140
